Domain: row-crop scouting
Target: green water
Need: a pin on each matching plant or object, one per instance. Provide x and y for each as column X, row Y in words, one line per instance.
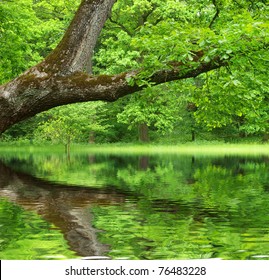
column 155, row 206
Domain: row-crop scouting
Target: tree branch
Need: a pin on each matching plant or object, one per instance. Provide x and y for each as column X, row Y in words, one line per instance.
column 35, row 91
column 216, row 14
column 60, row 79
column 121, row 26
column 145, row 16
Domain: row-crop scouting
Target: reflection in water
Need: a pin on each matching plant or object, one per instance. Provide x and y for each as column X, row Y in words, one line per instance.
column 169, row 207
column 65, row 207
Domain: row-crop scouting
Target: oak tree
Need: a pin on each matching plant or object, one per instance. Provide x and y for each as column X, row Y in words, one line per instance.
column 62, row 77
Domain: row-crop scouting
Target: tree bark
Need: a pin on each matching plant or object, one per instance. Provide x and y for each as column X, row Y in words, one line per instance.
column 76, row 48
column 143, row 132
column 61, row 79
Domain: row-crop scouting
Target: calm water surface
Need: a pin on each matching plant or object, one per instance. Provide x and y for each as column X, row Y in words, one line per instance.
column 134, row 207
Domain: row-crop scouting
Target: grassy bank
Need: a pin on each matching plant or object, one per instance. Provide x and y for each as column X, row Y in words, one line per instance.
column 187, row 149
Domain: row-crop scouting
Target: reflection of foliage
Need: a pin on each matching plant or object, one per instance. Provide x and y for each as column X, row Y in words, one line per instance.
column 25, row 236
column 140, row 234
column 176, row 207
column 134, row 235
column 57, row 168
column 153, row 183
column 223, row 213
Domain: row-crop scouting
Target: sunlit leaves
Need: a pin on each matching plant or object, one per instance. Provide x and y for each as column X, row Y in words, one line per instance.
column 71, row 123
column 16, row 38
column 171, row 31
column 155, row 107
column 29, row 30
column 237, row 95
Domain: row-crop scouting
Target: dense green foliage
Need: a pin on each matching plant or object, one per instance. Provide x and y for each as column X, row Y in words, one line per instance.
column 227, row 103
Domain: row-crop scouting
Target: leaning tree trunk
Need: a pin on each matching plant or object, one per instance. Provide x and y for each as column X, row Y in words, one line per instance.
column 62, row 79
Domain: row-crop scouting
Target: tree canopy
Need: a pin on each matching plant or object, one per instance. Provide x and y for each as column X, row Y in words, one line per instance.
column 115, row 48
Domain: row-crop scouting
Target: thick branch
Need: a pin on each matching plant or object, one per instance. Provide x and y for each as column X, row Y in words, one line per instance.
column 60, row 79
column 37, row 91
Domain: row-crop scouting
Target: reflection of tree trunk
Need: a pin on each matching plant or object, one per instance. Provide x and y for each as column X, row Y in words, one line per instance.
column 66, row 207
column 190, row 179
column 91, row 159
column 143, row 132
column 143, row 162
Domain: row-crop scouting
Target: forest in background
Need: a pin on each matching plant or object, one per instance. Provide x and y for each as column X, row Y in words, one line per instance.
column 226, row 104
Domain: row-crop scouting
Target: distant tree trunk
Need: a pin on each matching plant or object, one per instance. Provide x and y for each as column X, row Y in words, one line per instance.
column 91, row 137
column 61, row 78
column 242, row 134
column 191, row 108
column 193, row 135
column 143, row 132
column 265, row 138
column 67, row 147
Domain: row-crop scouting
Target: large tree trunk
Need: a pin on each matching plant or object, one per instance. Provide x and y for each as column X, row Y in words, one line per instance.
column 61, row 79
